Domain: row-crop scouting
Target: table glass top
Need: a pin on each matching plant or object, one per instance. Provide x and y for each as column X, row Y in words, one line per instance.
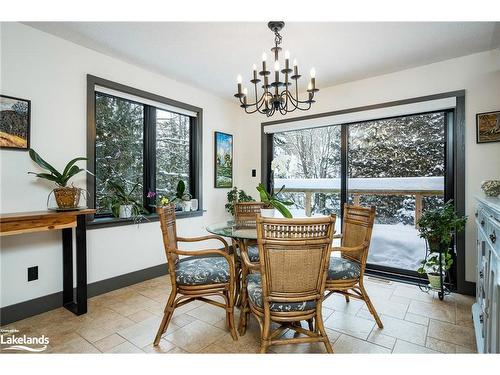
column 230, row 229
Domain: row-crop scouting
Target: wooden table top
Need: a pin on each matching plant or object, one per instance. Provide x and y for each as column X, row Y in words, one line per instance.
column 34, row 215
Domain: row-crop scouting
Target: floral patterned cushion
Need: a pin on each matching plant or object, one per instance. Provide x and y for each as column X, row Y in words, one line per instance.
column 198, row 270
column 342, row 269
column 253, row 253
column 254, row 289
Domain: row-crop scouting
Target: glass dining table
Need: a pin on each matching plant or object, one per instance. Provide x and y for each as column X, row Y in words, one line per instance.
column 232, row 230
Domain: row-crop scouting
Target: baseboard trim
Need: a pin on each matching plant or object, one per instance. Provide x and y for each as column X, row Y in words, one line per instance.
column 23, row 310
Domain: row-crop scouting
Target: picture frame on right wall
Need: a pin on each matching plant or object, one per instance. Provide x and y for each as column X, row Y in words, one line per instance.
column 488, row 127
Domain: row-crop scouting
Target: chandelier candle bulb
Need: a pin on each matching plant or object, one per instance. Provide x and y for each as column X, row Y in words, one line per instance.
column 295, row 68
column 287, row 60
column 245, row 93
column 239, row 80
column 254, row 68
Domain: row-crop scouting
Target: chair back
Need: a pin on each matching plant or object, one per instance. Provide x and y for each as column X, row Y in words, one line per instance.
column 294, row 256
column 245, row 213
column 357, row 229
column 169, row 232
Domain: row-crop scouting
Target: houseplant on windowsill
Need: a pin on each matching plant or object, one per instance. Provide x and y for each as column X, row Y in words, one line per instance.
column 122, row 203
column 437, row 227
column 272, row 202
column 67, row 197
column 182, row 197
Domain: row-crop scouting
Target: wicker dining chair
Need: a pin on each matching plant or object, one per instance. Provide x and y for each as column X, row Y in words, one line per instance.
column 204, row 273
column 346, row 273
column 294, row 255
column 245, row 215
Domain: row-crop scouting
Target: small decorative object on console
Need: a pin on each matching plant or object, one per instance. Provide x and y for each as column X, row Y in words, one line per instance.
column 491, row 188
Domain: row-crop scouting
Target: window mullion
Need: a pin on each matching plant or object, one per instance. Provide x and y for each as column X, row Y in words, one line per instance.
column 149, row 177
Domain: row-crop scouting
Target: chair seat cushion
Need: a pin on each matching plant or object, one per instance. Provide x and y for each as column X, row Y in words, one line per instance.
column 254, row 288
column 343, row 269
column 252, row 251
column 199, row 270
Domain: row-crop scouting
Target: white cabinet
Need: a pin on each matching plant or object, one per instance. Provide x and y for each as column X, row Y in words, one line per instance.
column 486, row 310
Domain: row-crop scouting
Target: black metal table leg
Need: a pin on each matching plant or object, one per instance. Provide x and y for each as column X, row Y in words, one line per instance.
column 67, row 239
column 78, row 306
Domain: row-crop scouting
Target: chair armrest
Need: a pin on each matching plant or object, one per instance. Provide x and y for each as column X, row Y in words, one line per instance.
column 250, row 265
column 205, row 238
column 351, row 249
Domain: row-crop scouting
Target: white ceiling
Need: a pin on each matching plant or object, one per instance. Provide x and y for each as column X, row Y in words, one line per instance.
column 209, row 55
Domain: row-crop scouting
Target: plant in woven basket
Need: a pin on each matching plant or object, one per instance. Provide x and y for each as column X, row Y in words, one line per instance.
column 66, row 197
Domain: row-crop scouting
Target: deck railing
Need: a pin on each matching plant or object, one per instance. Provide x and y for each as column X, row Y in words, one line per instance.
column 418, row 187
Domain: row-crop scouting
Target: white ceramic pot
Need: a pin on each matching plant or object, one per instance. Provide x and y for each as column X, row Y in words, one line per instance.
column 267, row 212
column 186, row 205
column 125, row 211
column 434, row 280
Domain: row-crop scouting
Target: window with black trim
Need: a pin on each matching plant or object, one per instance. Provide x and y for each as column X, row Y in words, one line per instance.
column 142, row 142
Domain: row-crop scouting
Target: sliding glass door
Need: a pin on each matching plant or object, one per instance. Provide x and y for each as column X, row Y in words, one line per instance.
column 307, row 163
column 398, row 165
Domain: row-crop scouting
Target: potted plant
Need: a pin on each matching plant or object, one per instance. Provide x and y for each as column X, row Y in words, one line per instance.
column 272, row 202
column 437, row 227
column 234, row 196
column 182, row 196
column 122, row 203
column 430, row 266
column 67, row 197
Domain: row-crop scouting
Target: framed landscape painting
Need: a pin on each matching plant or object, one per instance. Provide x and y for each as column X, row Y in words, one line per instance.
column 223, row 160
column 488, row 127
column 15, row 119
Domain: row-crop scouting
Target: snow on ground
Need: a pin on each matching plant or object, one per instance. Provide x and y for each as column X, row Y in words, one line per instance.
column 397, row 246
column 392, row 245
column 369, row 184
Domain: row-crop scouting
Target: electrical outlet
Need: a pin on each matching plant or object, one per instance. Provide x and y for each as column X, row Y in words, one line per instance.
column 33, row 273
column 254, row 173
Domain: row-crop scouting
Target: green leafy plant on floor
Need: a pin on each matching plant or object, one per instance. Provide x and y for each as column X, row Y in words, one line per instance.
column 235, row 195
column 272, row 201
column 438, row 226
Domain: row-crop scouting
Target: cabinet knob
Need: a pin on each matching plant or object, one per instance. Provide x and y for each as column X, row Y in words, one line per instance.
column 481, row 274
column 476, row 214
column 493, row 237
column 481, row 318
column 482, row 223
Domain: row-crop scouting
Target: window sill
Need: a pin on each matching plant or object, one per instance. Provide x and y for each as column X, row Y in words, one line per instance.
column 106, row 222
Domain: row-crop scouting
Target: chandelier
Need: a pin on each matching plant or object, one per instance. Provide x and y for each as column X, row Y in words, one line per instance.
column 280, row 95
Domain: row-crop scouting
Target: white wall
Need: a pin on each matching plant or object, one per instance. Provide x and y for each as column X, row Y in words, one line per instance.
column 52, row 73
column 478, row 74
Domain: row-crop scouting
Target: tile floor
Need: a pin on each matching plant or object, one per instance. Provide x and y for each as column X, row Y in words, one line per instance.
column 126, row 320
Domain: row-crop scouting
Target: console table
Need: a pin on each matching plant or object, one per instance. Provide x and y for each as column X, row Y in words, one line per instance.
column 39, row 221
